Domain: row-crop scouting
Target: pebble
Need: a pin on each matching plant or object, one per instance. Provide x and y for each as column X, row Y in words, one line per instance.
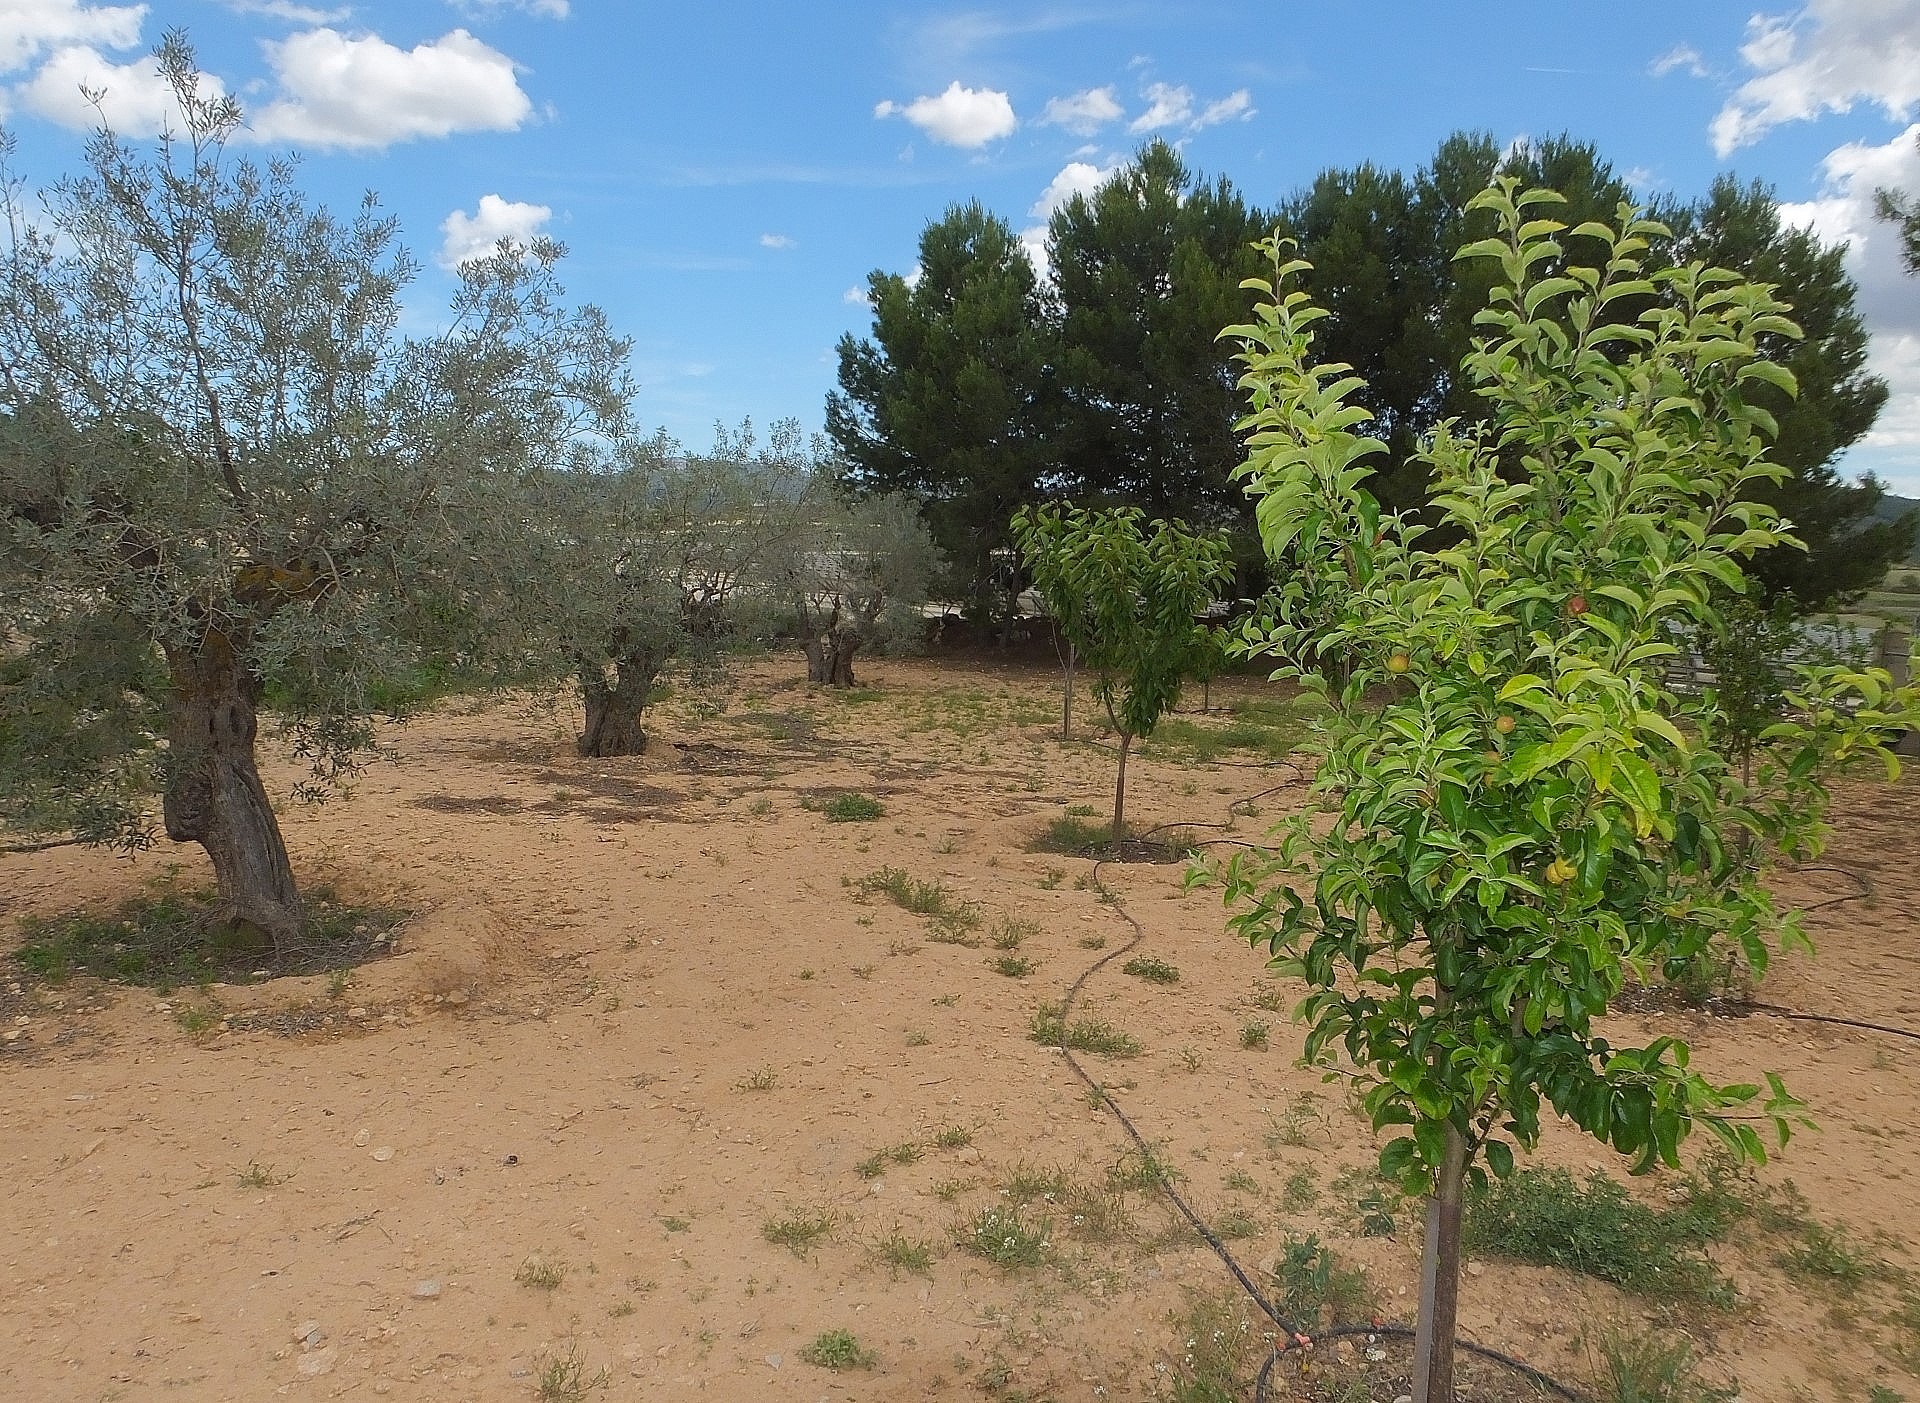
column 312, row 1366
column 384, row 1153
column 457, row 997
column 773, row 1361
column 308, row 1334
column 363, row 1138
column 426, row 1290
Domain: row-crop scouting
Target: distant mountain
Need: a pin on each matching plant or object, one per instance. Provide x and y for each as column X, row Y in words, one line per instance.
column 1891, row 508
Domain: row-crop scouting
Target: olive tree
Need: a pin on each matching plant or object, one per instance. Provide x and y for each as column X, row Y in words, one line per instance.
column 1519, row 817
column 658, row 558
column 856, row 574
column 1128, row 600
column 228, row 473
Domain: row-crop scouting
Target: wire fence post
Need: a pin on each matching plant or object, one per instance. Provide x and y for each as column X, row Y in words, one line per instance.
column 1896, row 656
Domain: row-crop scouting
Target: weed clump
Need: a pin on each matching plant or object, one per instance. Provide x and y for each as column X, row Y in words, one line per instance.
column 837, row 1350
column 852, row 808
column 1314, row 1289
column 1544, row 1216
column 1006, row 1238
column 1083, row 1035
column 1151, row 969
column 797, row 1232
column 175, row 936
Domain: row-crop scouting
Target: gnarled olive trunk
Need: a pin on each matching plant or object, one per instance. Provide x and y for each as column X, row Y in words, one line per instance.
column 830, row 658
column 214, row 796
column 616, row 703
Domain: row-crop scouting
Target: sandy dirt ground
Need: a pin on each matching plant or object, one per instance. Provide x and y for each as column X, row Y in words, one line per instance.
column 643, row 1012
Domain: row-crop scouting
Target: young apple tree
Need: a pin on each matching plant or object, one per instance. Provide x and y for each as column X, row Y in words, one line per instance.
column 1522, row 818
column 226, row 478
column 1128, row 602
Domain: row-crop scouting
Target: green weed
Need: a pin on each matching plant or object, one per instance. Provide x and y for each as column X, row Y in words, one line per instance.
column 797, row 1232
column 1544, row 1216
column 1313, row 1287
column 837, row 1350
column 852, row 808
column 1154, row 971
column 1005, row 1237
column 1084, row 1035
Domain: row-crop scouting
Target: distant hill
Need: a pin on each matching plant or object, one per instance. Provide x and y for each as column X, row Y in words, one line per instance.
column 1892, row 508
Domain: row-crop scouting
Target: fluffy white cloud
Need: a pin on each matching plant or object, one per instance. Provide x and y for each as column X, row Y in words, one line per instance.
column 545, row 9
column 471, row 236
column 365, row 93
column 1236, row 106
column 959, row 116
column 80, row 88
column 1084, row 113
column 30, row 28
column 1823, row 58
column 1681, row 56
column 1075, row 178
column 856, row 297
column 1171, row 105
column 1888, row 300
column 777, row 241
column 1167, row 106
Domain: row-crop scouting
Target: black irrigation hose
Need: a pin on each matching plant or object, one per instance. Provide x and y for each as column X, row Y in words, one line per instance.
column 1866, row 892
column 48, row 846
column 1291, row 1336
column 1775, row 1011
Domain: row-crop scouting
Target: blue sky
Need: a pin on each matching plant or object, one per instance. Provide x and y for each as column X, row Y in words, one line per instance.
column 725, row 175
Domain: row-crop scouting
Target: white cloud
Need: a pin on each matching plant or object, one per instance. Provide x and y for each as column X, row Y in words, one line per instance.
column 959, row 116
column 481, row 9
column 1083, row 113
column 1171, row 105
column 1681, row 56
column 476, row 235
column 287, row 10
column 132, row 98
column 856, row 297
column 1236, row 106
column 777, row 241
column 1823, row 58
column 1889, row 299
column 1075, row 178
column 366, row 94
column 1167, row 106
column 30, row 28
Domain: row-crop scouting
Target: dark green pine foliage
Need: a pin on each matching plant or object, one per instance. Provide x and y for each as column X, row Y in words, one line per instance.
column 1147, row 269
column 1738, row 226
column 949, row 399
column 1402, row 310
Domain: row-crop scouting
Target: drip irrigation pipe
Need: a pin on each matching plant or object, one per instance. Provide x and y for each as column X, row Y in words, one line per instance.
column 1290, row 1334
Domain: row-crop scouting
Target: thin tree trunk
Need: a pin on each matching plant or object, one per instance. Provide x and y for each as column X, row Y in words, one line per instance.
column 1120, row 791
column 1440, row 1278
column 214, row 796
column 1066, row 696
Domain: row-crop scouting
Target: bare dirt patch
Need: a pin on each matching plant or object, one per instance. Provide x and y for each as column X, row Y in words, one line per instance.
column 652, row 1084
